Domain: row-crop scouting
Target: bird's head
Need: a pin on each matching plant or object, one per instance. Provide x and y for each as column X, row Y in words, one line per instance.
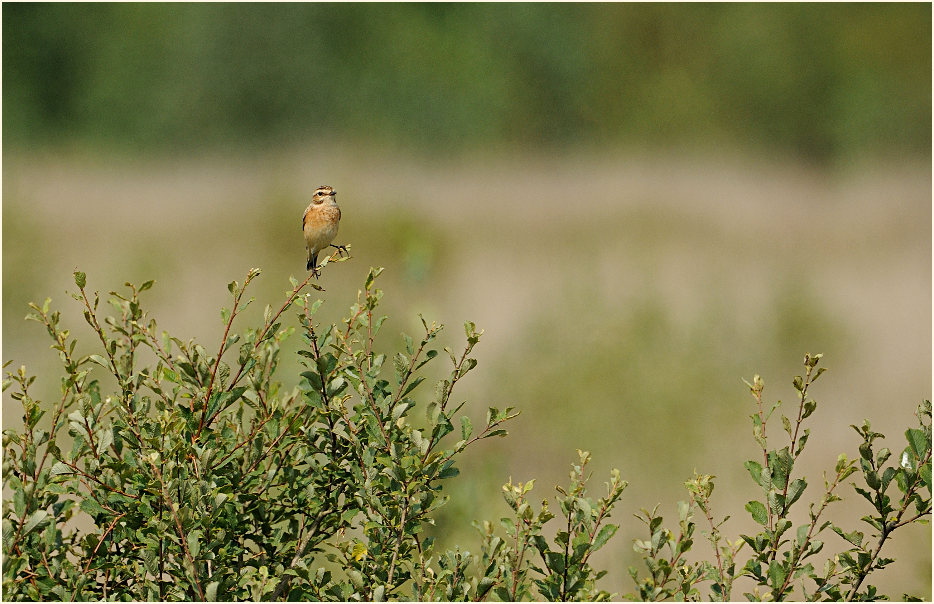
column 323, row 193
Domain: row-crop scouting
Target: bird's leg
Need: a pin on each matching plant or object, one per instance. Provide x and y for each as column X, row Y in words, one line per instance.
column 313, row 265
column 340, row 249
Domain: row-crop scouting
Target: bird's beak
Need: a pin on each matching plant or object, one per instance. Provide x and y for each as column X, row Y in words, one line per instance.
column 333, row 193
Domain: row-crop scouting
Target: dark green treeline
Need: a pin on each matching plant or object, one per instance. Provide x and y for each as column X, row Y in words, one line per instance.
column 823, row 81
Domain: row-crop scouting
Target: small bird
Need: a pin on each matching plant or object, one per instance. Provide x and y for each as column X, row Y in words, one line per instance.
column 319, row 225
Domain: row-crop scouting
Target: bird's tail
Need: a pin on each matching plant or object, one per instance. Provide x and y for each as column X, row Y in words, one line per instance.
column 312, row 262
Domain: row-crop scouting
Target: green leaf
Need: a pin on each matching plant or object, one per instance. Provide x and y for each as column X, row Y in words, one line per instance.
column 753, row 566
column 584, row 506
column 99, row 360
column 882, row 456
column 810, row 406
column 866, row 494
column 554, row 561
column 19, row 502
column 412, row 385
column 77, row 446
column 36, row 517
column 802, row 440
column 399, row 409
column 802, row 535
column 777, row 573
column 449, row 471
column 336, row 386
column 815, row 546
column 604, row 535
column 466, row 427
column 781, row 526
column 795, row 489
column 105, row 439
column 807, row 569
column 908, row 461
column 776, row 501
column 758, row 511
column 780, row 463
column 60, row 468
column 80, row 279
column 755, row 470
column 856, row 537
column 919, row 443
column 91, row 507
column 194, row 543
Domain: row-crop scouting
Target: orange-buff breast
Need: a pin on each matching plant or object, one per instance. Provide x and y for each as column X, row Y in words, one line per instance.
column 321, row 226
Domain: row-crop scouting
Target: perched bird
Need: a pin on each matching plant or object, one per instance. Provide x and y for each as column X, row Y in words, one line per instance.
column 319, row 225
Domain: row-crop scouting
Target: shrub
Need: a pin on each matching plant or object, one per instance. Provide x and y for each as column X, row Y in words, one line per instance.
column 199, row 477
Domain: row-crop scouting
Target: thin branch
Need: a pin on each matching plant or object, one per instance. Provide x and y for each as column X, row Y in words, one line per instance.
column 887, row 529
column 182, row 536
column 715, row 541
column 262, row 335
column 220, row 354
column 799, row 551
column 395, row 552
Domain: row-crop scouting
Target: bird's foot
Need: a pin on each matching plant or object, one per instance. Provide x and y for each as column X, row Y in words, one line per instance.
column 341, row 249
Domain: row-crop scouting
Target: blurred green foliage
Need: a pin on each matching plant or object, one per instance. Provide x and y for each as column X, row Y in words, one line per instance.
column 824, row 81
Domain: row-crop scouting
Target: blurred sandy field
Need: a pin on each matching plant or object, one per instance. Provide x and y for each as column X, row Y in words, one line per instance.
column 622, row 296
